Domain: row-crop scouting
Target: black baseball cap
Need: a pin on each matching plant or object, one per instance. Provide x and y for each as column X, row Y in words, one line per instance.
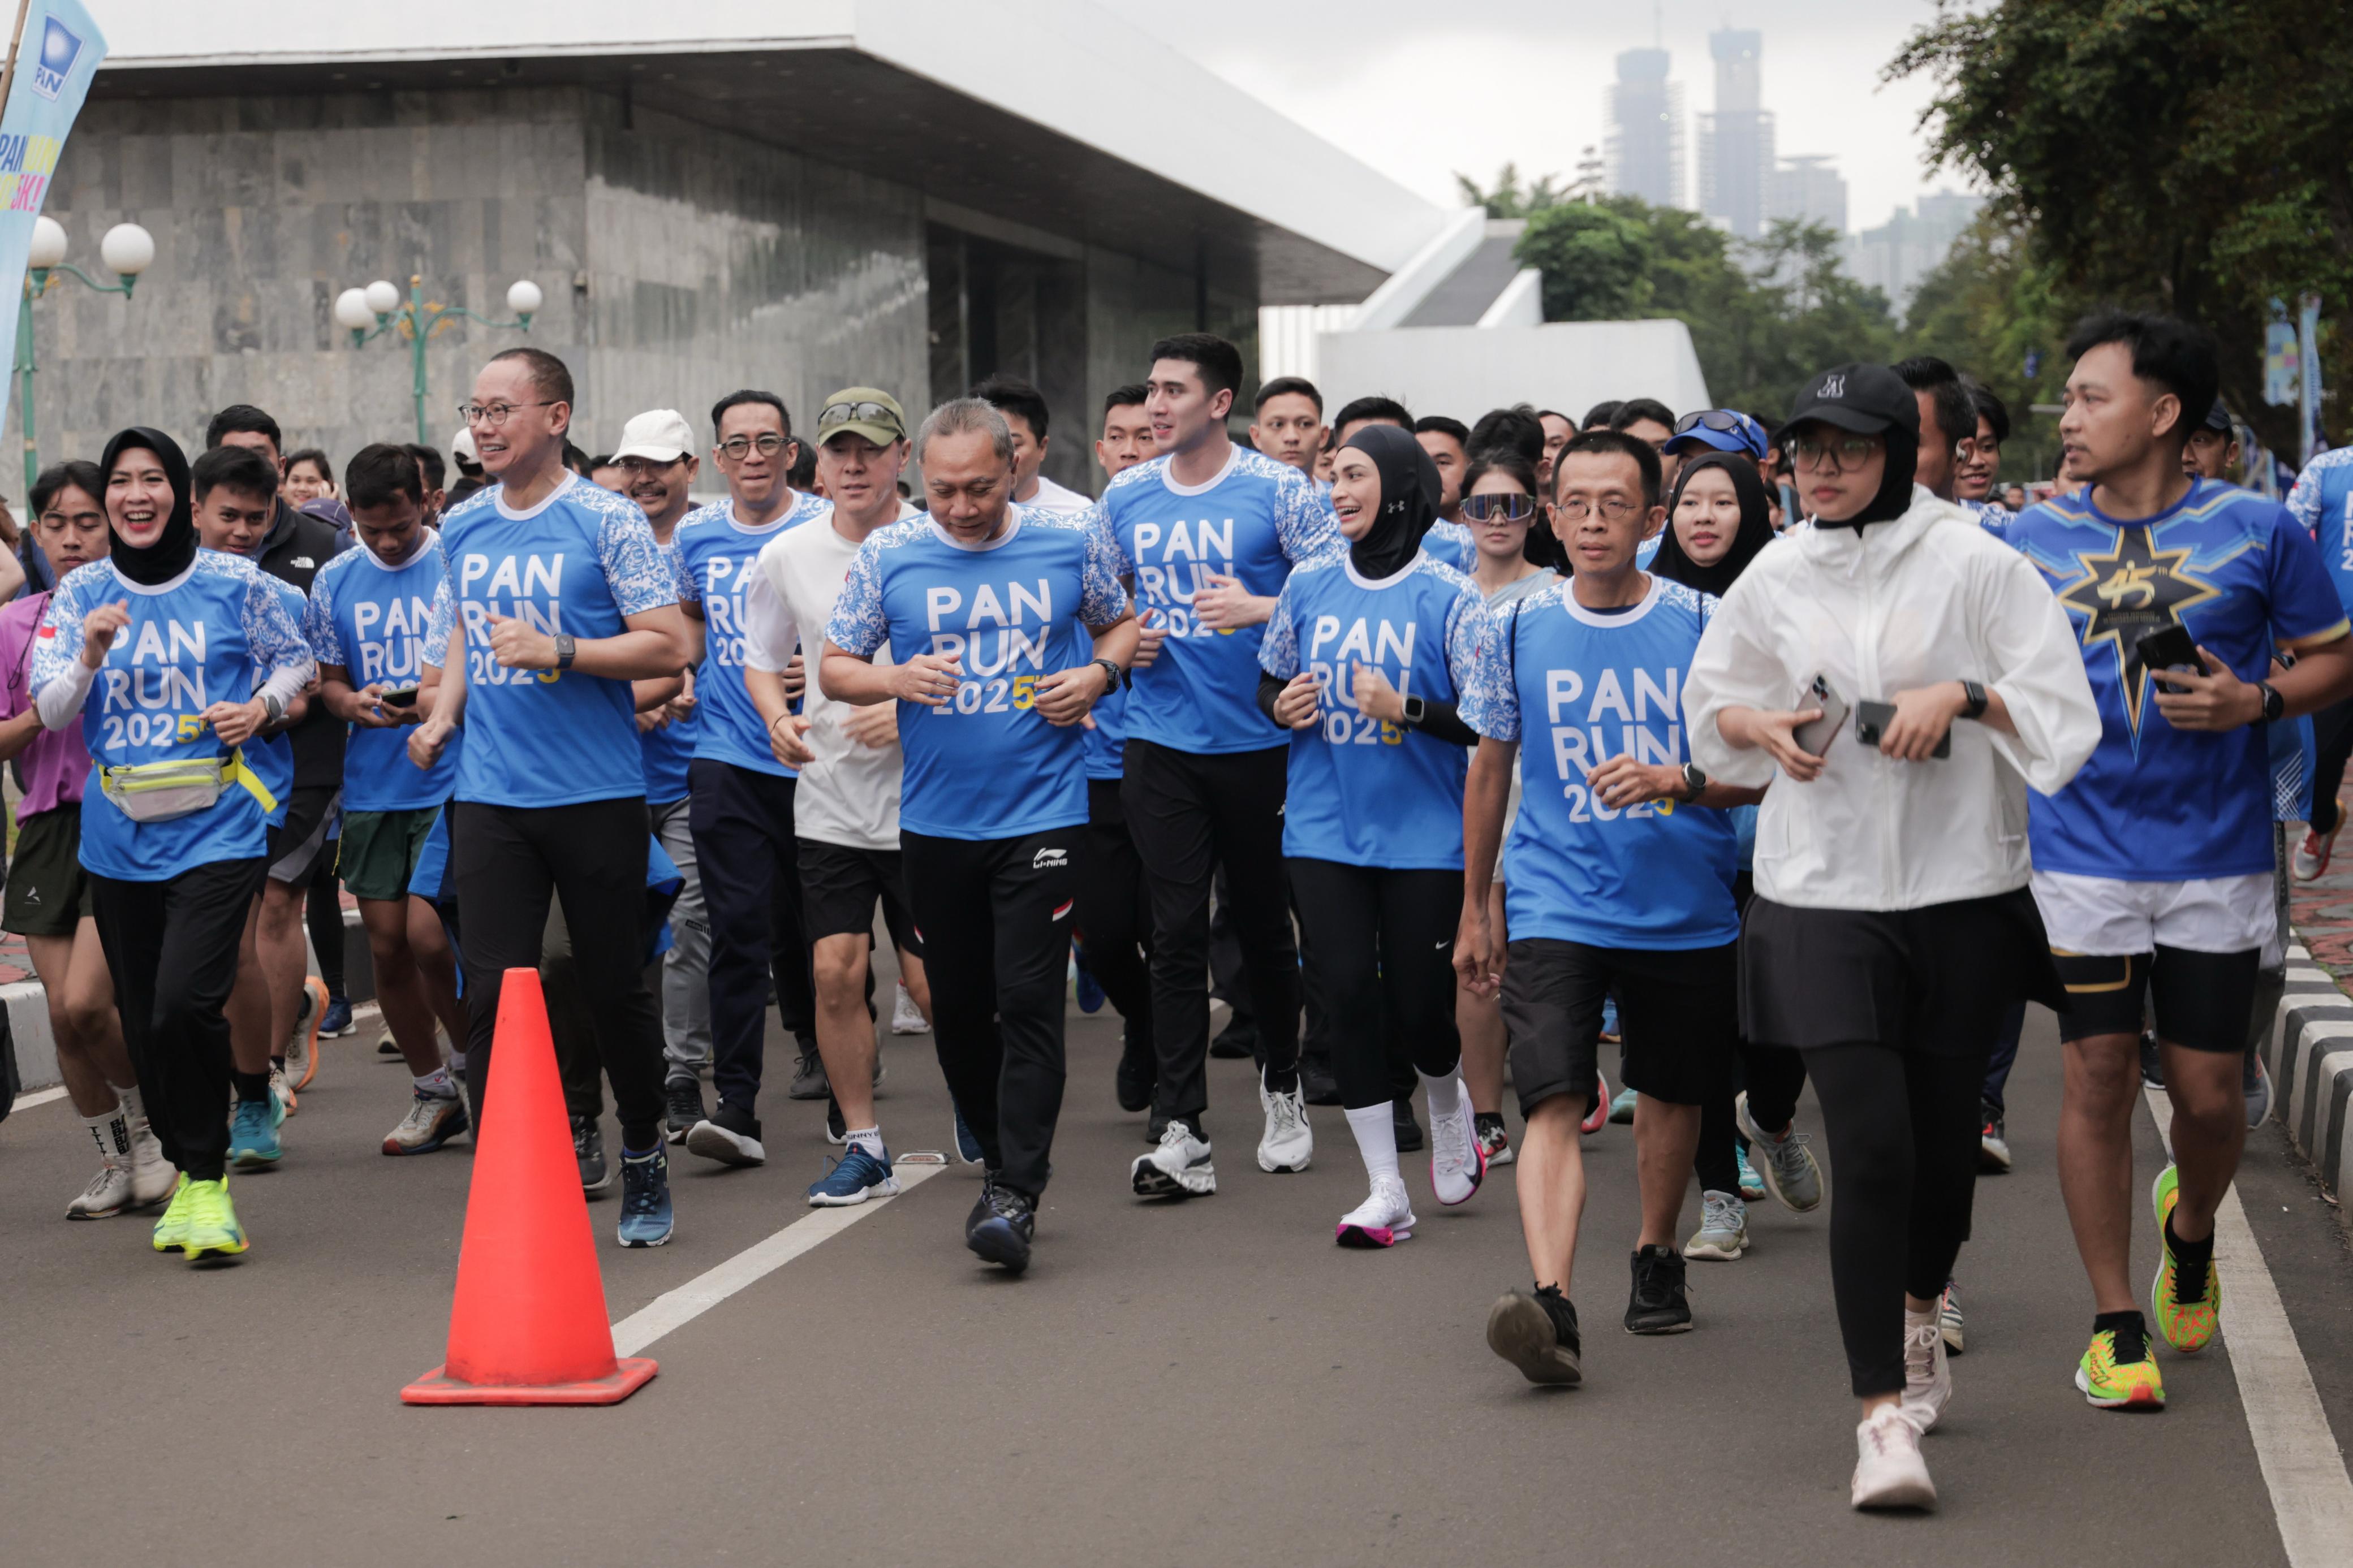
column 2219, row 417
column 1864, row 398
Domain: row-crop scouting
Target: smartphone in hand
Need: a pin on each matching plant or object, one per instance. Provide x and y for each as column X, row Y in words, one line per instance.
column 1815, row 735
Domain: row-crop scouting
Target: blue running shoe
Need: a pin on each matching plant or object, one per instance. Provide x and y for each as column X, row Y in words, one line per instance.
column 1752, row 1185
column 855, row 1177
column 1090, row 989
column 645, row 1198
column 1621, row 1109
column 253, row 1133
column 967, row 1146
column 337, row 1020
column 1001, row 1227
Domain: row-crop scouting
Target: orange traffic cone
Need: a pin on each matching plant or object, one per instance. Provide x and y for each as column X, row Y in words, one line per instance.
column 528, row 1326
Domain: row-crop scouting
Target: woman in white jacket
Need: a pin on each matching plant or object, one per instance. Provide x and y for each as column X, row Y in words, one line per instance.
column 1892, row 925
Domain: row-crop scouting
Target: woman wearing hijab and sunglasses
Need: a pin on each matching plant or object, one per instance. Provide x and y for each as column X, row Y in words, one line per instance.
column 1363, row 659
column 175, row 658
column 1718, row 520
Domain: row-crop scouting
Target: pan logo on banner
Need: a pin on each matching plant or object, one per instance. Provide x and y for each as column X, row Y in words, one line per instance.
column 60, row 47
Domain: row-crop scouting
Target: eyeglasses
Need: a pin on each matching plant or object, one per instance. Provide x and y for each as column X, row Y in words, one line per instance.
column 493, row 414
column 1615, row 508
column 738, row 447
column 636, row 465
column 1846, row 452
column 1499, row 507
column 860, row 412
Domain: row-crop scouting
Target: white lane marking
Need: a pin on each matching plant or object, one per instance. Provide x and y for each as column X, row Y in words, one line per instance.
column 675, row 1308
column 37, row 1097
column 2312, row 1497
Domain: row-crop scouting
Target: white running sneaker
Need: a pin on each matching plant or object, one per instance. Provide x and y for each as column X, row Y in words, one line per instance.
column 1949, row 1322
column 906, row 1018
column 152, row 1177
column 302, row 1043
column 1888, row 1470
column 1289, row 1142
column 109, row 1193
column 281, row 1087
column 1178, row 1168
column 1458, row 1161
column 1722, row 1233
column 1785, row 1162
column 1383, row 1219
column 1927, row 1376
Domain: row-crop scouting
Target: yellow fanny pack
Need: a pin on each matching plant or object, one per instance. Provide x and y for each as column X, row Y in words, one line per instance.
column 159, row 792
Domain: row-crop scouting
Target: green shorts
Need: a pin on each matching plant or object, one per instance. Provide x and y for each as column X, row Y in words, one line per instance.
column 48, row 893
column 380, row 850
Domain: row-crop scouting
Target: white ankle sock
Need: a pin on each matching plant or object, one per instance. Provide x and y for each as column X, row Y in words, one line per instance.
column 1376, row 1130
column 867, row 1138
column 438, row 1082
column 1443, row 1094
column 457, row 1063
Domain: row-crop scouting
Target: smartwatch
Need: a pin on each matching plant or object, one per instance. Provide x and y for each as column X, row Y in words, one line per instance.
column 1973, row 697
column 1415, row 710
column 1695, row 781
column 273, row 708
column 1118, row 676
column 565, row 650
column 2274, row 703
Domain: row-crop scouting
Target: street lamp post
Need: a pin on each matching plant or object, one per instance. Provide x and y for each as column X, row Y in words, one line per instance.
column 419, row 318
column 127, row 251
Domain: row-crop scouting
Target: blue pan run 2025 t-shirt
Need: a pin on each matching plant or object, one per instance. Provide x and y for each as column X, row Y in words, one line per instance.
column 666, row 749
column 1254, row 521
column 985, row 765
column 214, row 634
column 1363, row 791
column 373, row 620
column 1577, row 688
column 580, row 562
column 717, row 552
column 2158, row 804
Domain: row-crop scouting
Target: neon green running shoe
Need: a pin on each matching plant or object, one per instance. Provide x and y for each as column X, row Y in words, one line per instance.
column 212, row 1221
column 172, row 1227
column 2114, row 1387
column 2186, row 1325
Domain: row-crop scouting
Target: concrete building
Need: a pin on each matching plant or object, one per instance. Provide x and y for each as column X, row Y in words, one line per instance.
column 908, row 194
column 1909, row 246
column 1736, row 142
column 1643, row 148
column 1810, row 189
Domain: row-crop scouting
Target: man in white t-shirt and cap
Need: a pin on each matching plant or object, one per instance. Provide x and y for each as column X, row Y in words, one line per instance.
column 846, row 814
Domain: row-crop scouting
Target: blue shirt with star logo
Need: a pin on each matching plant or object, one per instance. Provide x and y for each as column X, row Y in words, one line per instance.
column 2158, row 804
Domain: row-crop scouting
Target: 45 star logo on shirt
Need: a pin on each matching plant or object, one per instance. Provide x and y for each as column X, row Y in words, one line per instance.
column 2125, row 593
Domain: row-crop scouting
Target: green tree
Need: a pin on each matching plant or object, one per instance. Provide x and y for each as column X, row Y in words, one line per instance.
column 2185, row 154
column 1595, row 259
column 1508, row 197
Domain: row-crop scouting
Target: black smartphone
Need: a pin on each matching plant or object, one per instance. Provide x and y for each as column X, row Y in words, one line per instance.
column 406, row 697
column 2168, row 647
column 1870, row 721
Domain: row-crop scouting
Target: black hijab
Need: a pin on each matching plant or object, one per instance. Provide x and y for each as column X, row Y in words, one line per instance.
column 151, row 564
column 1410, row 490
column 1755, row 527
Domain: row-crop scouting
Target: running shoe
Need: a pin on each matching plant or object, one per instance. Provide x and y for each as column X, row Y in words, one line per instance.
column 432, row 1120
column 646, row 1219
column 1657, row 1304
column 854, row 1178
column 172, row 1224
column 212, row 1226
column 1409, row 1130
column 1180, row 1168
column 1597, row 1111
column 1087, row 989
column 906, row 1018
column 1888, row 1470
column 2257, row 1081
column 1621, row 1109
column 588, row 1149
column 336, row 1022
column 1136, row 1074
column 302, row 1042
column 2310, row 862
column 1927, row 1377
column 282, row 1092
column 1383, row 1219
column 253, row 1133
column 1722, row 1233
column 1316, row 1084
column 152, row 1178
column 2112, row 1384
column 1537, row 1333
column 1751, row 1186
column 809, row 1081
column 730, row 1136
column 1288, row 1143
column 1949, row 1325
column 1457, row 1162
column 1002, row 1225
column 109, row 1193
column 1495, row 1138
column 2187, row 1324
column 1783, row 1159
column 967, row 1146
column 682, row 1103
column 385, row 1046
column 1993, row 1139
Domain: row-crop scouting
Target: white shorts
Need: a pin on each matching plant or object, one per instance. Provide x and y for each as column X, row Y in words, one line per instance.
column 2106, row 916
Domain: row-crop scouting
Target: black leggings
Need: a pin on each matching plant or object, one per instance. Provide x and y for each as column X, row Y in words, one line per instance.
column 324, row 912
column 1384, row 944
column 1115, row 914
column 2332, row 736
column 1774, row 1077
column 508, row 864
column 1903, row 1132
column 171, row 947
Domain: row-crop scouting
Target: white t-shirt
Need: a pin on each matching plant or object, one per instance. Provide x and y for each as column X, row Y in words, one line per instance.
column 1053, row 497
column 849, row 793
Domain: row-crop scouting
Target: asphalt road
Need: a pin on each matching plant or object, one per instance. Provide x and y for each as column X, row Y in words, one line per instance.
column 1213, row 1382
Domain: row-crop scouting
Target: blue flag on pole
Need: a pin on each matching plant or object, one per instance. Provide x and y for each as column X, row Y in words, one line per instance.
column 59, row 54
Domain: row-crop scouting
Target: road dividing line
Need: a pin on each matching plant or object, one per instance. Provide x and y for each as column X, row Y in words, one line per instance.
column 2312, row 1497
column 674, row 1310
column 38, row 1097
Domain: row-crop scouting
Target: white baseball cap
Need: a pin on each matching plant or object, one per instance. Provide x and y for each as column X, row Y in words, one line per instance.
column 462, row 447
column 659, row 436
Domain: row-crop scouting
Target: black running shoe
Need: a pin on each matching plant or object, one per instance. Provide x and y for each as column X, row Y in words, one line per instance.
column 1138, row 1072
column 588, row 1148
column 2152, row 1067
column 809, row 1081
column 730, row 1136
column 1234, row 1042
column 1657, row 1305
column 1409, row 1130
column 1316, row 1084
column 837, row 1130
column 684, row 1097
column 1002, row 1225
column 1537, row 1333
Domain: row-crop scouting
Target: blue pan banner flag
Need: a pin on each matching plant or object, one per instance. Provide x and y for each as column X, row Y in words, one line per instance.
column 57, row 55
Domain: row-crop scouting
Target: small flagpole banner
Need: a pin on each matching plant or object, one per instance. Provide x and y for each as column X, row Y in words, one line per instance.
column 55, row 53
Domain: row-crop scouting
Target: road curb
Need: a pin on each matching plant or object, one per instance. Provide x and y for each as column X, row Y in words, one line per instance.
column 2310, row 1054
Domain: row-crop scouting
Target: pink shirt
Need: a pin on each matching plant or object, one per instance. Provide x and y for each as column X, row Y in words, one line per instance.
column 55, row 767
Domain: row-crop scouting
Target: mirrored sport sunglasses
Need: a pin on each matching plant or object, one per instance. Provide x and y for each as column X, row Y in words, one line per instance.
column 1503, row 508
column 858, row 413
column 1726, row 421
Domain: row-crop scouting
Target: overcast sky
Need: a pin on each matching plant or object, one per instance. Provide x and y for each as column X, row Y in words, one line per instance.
column 1421, row 90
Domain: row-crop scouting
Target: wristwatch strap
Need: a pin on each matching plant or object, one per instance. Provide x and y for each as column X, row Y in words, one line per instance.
column 2274, row 703
column 1118, row 676
column 565, row 649
column 1415, row 710
column 1695, row 780
column 1974, row 695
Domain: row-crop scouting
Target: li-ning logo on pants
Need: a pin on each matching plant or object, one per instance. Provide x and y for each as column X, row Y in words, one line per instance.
column 1050, row 858
column 1832, row 386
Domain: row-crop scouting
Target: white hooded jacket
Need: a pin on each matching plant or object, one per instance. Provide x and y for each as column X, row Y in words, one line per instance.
column 1924, row 598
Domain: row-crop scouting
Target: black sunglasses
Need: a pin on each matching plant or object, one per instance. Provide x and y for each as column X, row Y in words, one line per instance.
column 1503, row 508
